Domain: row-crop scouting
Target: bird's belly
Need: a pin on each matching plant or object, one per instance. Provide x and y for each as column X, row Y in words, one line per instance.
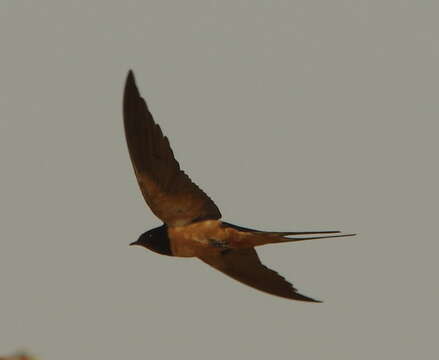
column 196, row 239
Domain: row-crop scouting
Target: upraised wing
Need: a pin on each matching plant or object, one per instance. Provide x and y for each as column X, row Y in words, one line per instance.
column 245, row 266
column 168, row 191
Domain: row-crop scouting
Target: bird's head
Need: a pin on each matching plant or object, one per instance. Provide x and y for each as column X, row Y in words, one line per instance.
column 156, row 240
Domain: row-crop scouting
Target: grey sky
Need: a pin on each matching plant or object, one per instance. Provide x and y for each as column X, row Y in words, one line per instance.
column 291, row 115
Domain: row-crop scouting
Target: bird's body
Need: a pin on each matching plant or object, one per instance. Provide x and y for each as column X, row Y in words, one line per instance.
column 192, row 225
column 214, row 237
column 199, row 238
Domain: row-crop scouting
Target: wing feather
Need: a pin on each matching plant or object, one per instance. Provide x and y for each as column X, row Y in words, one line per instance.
column 168, row 191
column 245, row 266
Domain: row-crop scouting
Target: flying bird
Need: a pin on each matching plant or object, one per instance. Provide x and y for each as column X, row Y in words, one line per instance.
column 191, row 220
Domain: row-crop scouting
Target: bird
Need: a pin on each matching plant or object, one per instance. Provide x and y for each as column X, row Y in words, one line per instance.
column 192, row 225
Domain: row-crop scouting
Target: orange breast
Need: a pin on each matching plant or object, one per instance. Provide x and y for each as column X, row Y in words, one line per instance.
column 195, row 239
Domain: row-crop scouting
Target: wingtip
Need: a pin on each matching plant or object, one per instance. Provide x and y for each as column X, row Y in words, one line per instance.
column 130, row 77
column 131, row 91
column 316, row 301
column 306, row 299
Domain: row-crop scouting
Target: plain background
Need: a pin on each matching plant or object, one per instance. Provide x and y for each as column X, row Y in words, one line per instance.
column 292, row 115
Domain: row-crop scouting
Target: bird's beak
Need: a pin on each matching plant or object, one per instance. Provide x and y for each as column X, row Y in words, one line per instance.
column 134, row 243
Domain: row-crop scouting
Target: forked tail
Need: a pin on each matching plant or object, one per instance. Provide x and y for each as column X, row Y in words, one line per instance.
column 271, row 237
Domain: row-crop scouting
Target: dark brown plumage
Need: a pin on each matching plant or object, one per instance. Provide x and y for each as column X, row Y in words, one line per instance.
column 191, row 219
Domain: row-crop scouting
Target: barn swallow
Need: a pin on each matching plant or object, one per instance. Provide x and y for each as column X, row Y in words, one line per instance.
column 191, row 220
